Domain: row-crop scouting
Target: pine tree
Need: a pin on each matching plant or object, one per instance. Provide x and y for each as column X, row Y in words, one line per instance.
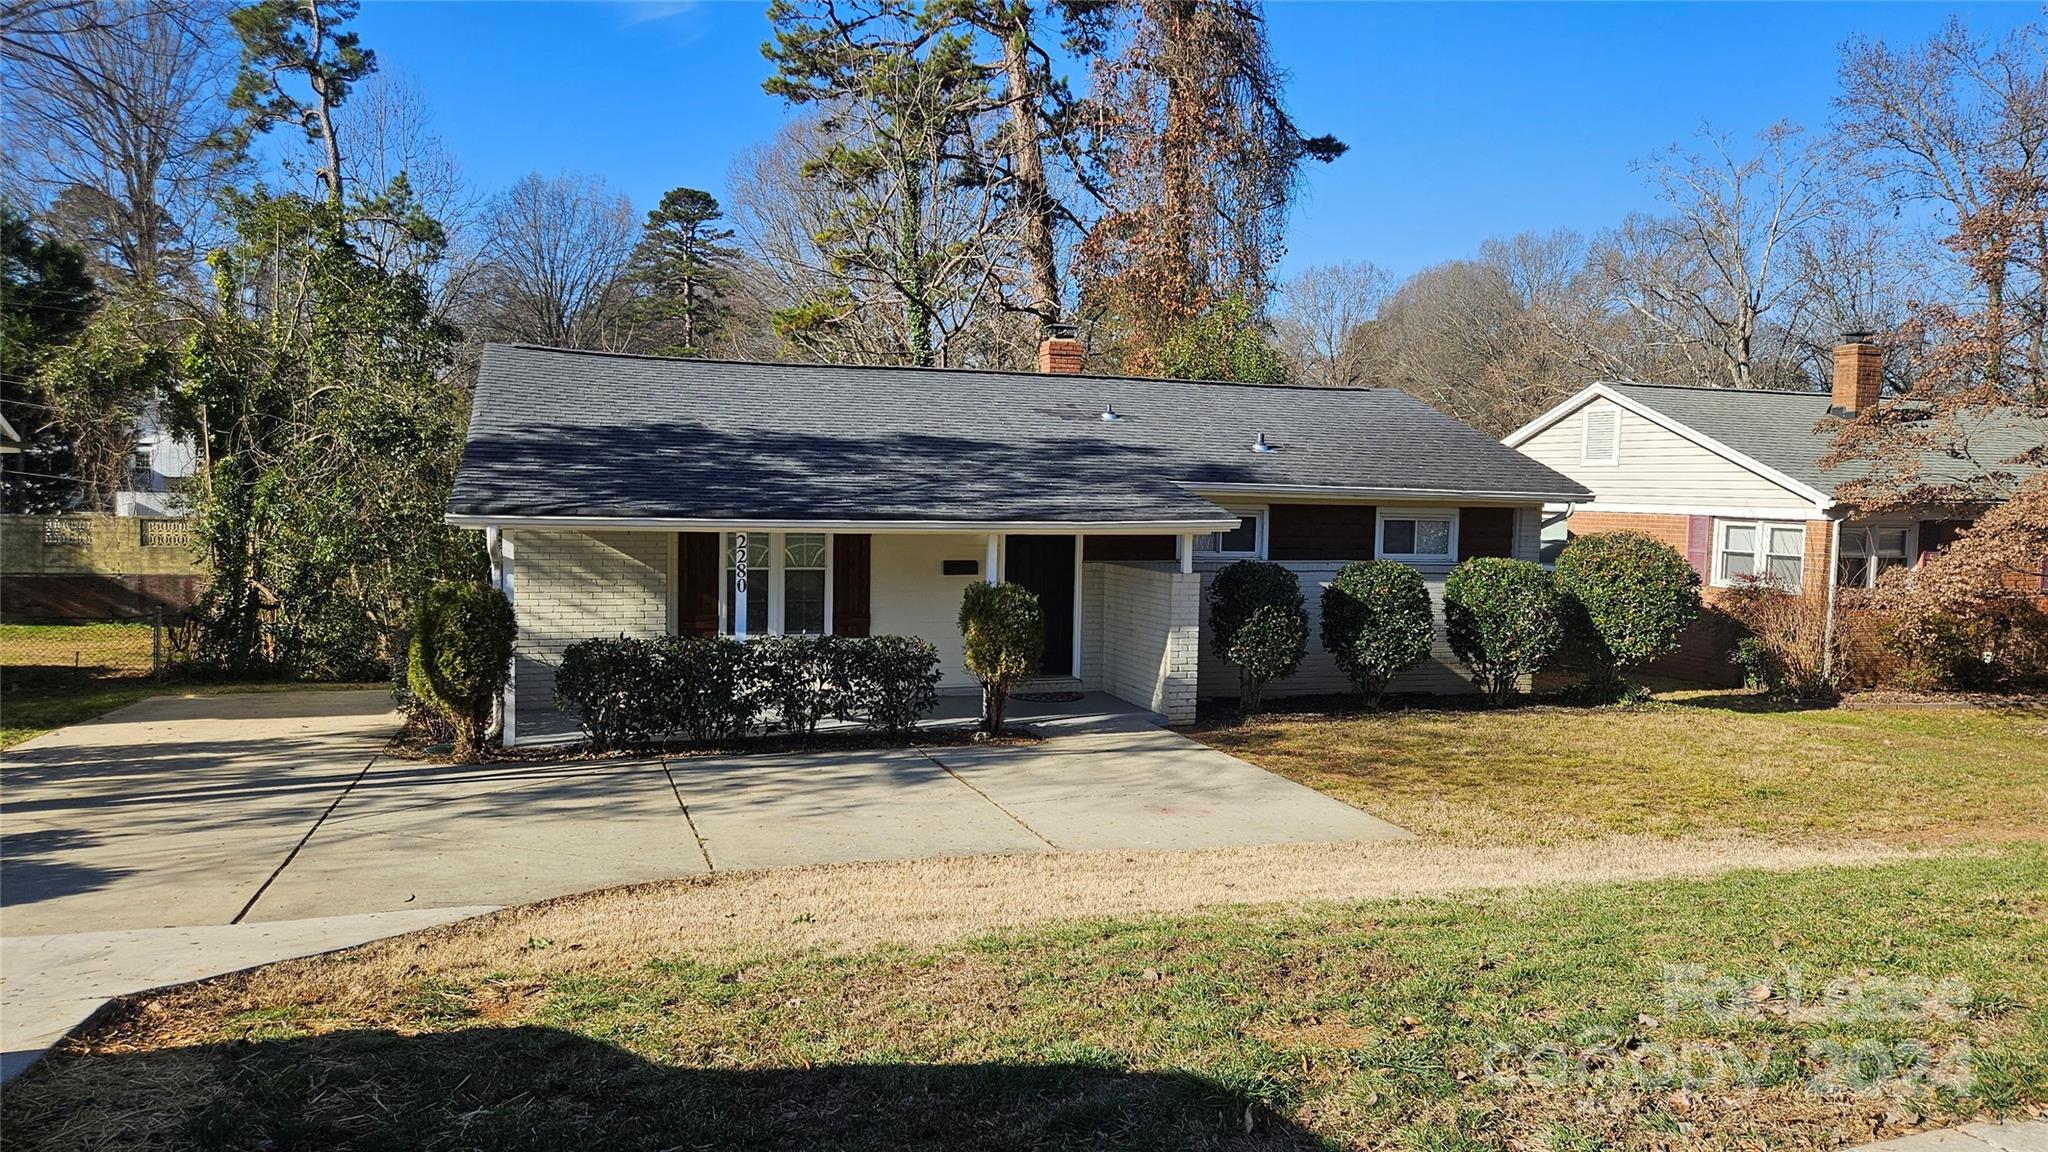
column 682, row 265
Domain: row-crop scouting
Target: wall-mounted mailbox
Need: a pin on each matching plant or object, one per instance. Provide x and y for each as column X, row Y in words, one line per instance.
column 960, row 567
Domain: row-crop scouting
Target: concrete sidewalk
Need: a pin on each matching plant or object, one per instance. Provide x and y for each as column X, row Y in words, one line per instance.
column 52, row 984
column 2003, row 1136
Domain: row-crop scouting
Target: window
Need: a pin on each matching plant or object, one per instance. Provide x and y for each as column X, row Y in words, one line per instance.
column 788, row 577
column 1556, row 534
column 1867, row 553
column 756, row 593
column 1427, row 534
column 1602, row 431
column 803, row 584
column 1760, row 550
column 1247, row 539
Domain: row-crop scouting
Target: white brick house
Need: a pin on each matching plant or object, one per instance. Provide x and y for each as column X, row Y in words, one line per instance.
column 639, row 496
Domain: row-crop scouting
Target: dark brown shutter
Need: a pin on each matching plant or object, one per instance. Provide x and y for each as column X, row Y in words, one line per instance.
column 852, row 562
column 1153, row 548
column 1486, row 532
column 1320, row 532
column 1699, row 545
column 697, row 567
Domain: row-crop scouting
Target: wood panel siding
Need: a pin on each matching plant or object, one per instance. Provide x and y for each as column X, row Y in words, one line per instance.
column 1128, row 548
column 852, row 567
column 1486, row 532
column 1320, row 532
column 697, row 564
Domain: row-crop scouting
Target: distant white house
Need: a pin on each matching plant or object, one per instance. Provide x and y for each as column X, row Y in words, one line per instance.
column 160, row 464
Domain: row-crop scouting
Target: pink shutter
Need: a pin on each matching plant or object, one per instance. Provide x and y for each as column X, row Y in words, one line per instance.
column 1699, row 549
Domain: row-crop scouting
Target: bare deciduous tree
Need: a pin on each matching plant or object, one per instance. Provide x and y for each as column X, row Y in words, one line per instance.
column 554, row 262
column 1711, row 279
column 1320, row 314
column 1961, row 123
column 114, row 113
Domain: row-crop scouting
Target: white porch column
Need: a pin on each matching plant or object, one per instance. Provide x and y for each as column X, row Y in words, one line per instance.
column 1187, row 553
column 990, row 565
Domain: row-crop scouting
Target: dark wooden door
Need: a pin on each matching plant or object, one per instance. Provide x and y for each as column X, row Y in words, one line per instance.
column 1045, row 564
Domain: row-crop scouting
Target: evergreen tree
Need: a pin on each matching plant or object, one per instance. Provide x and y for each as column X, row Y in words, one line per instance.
column 682, row 265
column 46, row 298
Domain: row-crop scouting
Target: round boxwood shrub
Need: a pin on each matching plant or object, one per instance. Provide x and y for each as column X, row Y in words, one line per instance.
column 1504, row 621
column 1003, row 633
column 1258, row 622
column 1377, row 621
column 1631, row 596
column 460, row 657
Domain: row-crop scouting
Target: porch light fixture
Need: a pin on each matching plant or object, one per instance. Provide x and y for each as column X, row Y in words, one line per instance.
column 1110, row 415
column 1263, row 448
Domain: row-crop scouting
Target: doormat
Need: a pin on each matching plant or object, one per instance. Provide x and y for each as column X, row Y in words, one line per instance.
column 1047, row 697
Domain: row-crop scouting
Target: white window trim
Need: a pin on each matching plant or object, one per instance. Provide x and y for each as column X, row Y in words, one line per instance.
column 1379, row 534
column 1263, row 525
column 775, row 590
column 1762, row 552
column 1586, row 435
column 1868, row 532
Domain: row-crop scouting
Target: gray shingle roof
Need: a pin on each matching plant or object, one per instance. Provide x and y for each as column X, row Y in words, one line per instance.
column 1779, row 429
column 560, row 433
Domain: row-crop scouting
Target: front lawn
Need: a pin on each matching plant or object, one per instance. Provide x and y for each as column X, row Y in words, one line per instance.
column 1694, row 763
column 1802, row 1010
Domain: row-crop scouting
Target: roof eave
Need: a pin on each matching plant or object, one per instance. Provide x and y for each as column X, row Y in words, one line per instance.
column 730, row 524
column 1573, row 495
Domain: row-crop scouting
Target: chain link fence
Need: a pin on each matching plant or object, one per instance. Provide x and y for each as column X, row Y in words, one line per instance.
column 145, row 646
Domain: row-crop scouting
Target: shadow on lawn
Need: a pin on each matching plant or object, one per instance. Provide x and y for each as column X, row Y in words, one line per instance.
column 542, row 1088
column 1755, row 702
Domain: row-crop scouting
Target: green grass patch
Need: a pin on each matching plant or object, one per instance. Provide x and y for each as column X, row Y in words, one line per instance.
column 1800, row 1010
column 1698, row 764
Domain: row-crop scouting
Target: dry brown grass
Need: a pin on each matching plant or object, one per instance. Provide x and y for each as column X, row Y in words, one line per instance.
column 1696, row 764
column 838, row 908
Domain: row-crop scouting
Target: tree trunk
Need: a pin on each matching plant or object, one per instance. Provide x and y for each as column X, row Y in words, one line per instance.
column 1027, row 158
column 910, row 265
column 1994, row 315
column 1177, row 147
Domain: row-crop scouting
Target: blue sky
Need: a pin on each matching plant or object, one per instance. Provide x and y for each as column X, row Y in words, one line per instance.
column 1464, row 120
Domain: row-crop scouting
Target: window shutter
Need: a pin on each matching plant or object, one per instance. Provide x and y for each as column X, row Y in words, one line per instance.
column 1699, row 545
column 697, row 583
column 852, row 560
column 1486, row 532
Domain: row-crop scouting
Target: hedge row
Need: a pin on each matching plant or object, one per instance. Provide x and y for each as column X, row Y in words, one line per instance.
column 629, row 693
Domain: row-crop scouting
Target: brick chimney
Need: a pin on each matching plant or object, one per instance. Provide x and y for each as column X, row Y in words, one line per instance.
column 1061, row 351
column 1859, row 373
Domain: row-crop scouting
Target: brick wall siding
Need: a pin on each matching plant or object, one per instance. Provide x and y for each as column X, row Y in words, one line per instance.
column 1151, row 637
column 571, row 586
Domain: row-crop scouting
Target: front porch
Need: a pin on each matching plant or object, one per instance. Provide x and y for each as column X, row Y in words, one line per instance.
column 1123, row 610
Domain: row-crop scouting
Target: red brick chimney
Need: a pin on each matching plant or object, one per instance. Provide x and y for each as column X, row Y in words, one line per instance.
column 1859, row 373
column 1061, row 351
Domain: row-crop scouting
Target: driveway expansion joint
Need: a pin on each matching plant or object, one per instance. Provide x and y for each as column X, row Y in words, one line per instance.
column 294, row 853
column 947, row 769
column 703, row 849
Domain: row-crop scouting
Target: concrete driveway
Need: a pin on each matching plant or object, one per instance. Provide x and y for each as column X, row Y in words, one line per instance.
column 219, row 809
column 183, row 837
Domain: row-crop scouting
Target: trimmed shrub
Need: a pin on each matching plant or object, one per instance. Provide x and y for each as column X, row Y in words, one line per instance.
column 1003, row 630
column 460, row 657
column 802, row 678
column 717, row 681
column 1632, row 597
column 891, row 682
column 1377, row 621
column 1504, row 621
column 613, row 689
column 1271, row 651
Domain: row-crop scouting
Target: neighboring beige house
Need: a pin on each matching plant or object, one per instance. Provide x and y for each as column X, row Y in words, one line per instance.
column 1733, row 479
column 646, row 496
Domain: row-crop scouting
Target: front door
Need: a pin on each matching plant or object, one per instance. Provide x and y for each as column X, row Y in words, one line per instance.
column 1045, row 564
